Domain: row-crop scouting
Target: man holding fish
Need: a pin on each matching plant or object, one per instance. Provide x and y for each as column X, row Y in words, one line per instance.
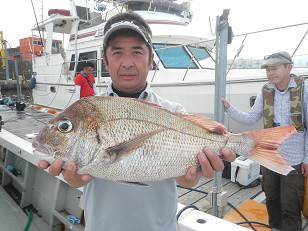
column 129, row 154
column 282, row 101
column 116, row 206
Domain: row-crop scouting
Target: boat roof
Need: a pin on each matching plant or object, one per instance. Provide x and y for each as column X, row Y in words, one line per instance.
column 171, row 4
column 61, row 23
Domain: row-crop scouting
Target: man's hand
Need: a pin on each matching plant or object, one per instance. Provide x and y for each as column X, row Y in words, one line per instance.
column 68, row 171
column 209, row 162
column 225, row 103
column 305, row 169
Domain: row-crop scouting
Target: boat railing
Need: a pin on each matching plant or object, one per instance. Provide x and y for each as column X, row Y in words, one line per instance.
column 182, row 10
column 97, row 18
column 119, row 8
column 192, row 61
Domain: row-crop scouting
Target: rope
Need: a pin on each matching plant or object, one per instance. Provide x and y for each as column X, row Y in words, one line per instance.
column 299, row 43
column 271, row 29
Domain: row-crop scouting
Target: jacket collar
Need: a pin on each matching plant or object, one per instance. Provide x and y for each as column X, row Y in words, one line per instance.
column 144, row 95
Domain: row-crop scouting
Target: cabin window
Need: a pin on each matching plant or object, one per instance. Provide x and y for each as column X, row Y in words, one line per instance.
column 56, row 45
column 88, row 17
column 202, row 56
column 174, row 56
column 87, row 56
column 105, row 73
column 83, row 12
column 37, row 43
column 72, row 63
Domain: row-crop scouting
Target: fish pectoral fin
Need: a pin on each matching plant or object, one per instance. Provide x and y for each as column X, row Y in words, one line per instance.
column 122, row 150
column 133, row 183
column 208, row 124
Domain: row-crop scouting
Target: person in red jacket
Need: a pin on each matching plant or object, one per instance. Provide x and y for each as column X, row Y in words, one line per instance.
column 85, row 82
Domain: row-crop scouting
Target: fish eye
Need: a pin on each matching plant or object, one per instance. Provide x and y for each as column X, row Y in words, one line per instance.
column 65, row 126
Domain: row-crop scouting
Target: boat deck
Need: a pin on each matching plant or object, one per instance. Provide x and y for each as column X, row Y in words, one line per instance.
column 24, row 124
column 11, row 216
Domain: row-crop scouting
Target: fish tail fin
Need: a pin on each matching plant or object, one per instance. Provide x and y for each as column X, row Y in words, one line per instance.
column 265, row 150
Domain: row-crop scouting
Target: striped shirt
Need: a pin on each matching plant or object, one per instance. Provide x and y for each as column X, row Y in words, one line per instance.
column 294, row 149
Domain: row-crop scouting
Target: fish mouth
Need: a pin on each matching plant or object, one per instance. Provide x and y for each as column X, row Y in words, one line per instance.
column 44, row 156
column 43, row 152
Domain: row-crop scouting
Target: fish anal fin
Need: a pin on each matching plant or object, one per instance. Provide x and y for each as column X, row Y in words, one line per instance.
column 273, row 161
column 265, row 150
column 122, row 150
column 208, row 124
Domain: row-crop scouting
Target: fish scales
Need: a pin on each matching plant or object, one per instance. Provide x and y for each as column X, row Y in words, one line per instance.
column 149, row 164
column 140, row 111
column 144, row 118
column 122, row 139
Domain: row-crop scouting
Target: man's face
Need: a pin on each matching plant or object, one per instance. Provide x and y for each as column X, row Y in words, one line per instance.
column 88, row 70
column 91, row 69
column 279, row 75
column 128, row 63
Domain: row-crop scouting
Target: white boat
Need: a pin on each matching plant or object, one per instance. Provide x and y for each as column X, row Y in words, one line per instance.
column 183, row 59
column 169, row 22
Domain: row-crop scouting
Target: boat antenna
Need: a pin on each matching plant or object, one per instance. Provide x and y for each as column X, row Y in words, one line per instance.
column 37, row 24
column 300, row 42
column 211, row 29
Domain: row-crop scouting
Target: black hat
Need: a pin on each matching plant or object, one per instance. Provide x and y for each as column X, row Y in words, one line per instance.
column 87, row 64
column 128, row 21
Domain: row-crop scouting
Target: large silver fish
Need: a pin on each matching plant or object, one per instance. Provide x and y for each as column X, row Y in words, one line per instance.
column 123, row 139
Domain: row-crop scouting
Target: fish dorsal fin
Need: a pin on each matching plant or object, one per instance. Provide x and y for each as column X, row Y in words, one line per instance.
column 208, row 124
column 122, row 150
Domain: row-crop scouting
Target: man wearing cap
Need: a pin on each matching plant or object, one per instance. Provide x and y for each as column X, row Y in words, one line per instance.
column 282, row 101
column 151, row 206
column 85, row 82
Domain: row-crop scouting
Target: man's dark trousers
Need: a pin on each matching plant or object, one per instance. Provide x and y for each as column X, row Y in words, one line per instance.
column 284, row 198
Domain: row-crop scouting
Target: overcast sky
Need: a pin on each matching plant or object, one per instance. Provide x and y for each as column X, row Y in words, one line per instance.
column 17, row 19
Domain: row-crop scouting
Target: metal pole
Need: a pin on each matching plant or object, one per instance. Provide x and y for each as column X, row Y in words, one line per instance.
column 222, row 27
column 17, row 80
column 7, row 72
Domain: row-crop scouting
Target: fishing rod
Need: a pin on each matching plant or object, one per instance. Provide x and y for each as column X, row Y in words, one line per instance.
column 38, row 28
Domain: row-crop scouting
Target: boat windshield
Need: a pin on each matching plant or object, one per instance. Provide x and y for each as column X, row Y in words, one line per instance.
column 174, row 56
column 300, row 61
column 183, row 57
column 202, row 56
